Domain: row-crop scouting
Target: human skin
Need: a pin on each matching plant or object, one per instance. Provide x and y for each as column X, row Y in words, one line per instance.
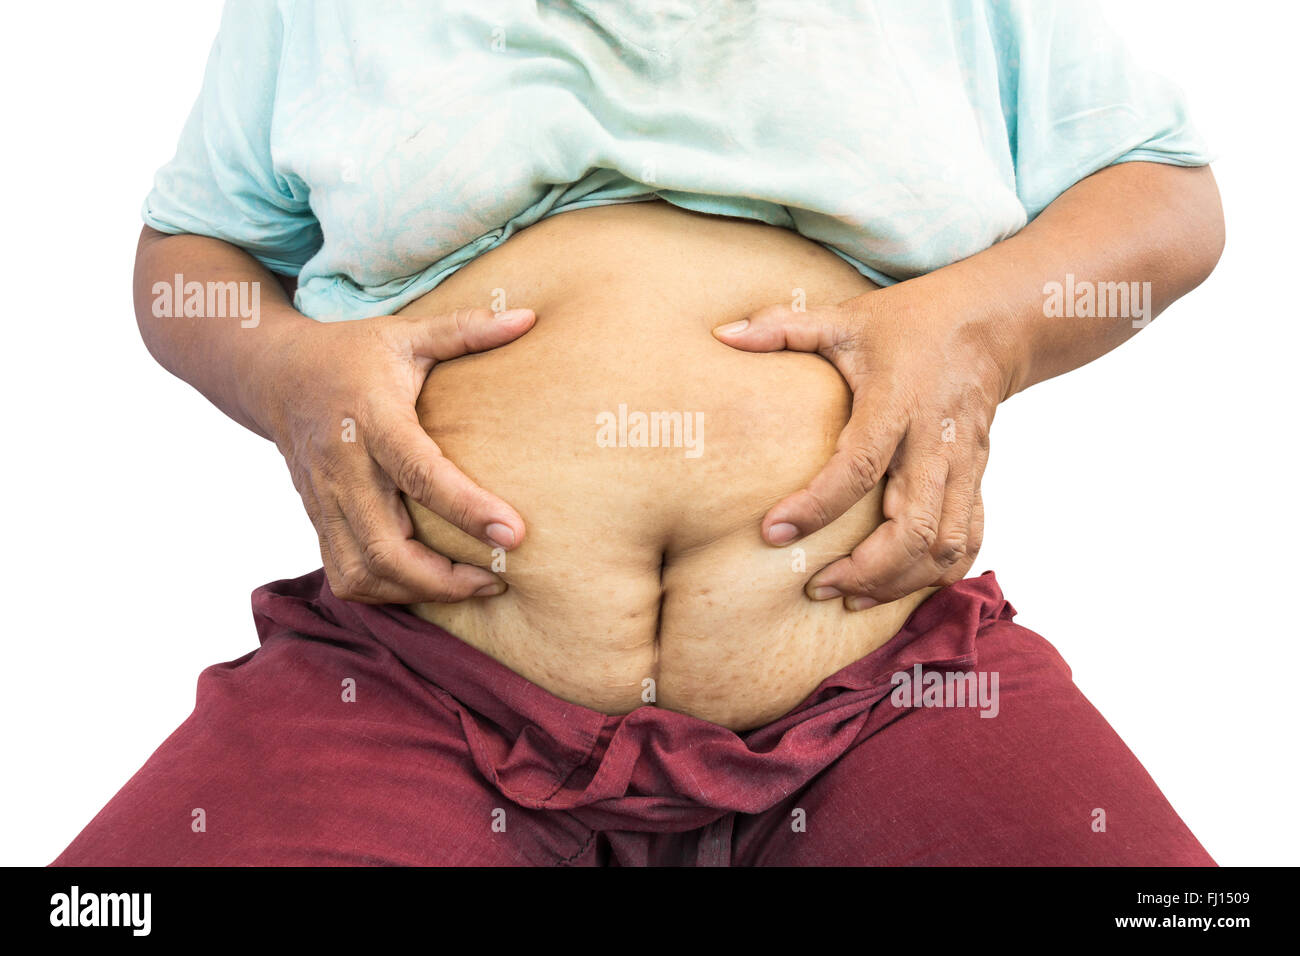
column 984, row 314
column 645, row 571
column 643, row 578
column 930, row 359
column 297, row 381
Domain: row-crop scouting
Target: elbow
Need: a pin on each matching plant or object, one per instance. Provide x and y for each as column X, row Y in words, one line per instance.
column 1208, row 233
column 143, row 289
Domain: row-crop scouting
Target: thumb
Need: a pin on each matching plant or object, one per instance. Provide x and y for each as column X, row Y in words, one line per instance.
column 453, row 334
column 777, row 327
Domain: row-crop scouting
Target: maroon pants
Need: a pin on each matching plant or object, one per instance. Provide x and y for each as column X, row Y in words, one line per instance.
column 364, row 735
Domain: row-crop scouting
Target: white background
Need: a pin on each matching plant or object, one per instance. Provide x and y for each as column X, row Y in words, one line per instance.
column 1141, row 510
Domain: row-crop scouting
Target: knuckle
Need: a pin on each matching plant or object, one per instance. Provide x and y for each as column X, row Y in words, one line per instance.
column 860, row 581
column 381, row 559
column 820, row 509
column 462, row 318
column 414, row 476
column 460, row 509
column 950, row 549
column 919, row 530
column 353, row 583
column 882, row 592
column 866, row 468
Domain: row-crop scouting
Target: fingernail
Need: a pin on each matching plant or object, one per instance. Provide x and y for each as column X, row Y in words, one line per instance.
column 825, row 593
column 732, row 328
column 490, row 590
column 860, row 603
column 502, row 535
column 782, row 533
column 511, row 314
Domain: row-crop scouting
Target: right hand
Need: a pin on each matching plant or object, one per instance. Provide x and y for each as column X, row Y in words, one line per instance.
column 370, row 372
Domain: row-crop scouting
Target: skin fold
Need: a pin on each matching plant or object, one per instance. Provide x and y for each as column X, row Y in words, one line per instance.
column 930, row 359
column 644, row 571
column 894, row 461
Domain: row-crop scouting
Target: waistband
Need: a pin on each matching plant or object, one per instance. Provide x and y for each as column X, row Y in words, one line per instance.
column 651, row 769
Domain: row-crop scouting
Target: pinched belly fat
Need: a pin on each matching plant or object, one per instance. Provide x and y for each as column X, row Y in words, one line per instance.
column 642, row 454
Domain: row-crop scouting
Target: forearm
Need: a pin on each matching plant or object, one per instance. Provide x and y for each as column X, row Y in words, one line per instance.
column 1134, row 223
column 217, row 354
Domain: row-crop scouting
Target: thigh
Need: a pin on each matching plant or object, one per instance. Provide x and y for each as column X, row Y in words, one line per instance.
column 310, row 752
column 1044, row 782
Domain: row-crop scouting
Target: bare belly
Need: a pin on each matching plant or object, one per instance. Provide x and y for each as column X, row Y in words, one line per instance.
column 642, row 573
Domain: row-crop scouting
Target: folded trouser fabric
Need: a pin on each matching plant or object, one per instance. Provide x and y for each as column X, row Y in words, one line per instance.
column 360, row 734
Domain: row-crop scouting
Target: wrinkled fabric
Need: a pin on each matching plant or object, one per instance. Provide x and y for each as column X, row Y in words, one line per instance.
column 372, row 149
column 444, row 756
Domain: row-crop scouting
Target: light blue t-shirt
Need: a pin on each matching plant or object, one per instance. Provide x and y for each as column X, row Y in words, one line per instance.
column 373, row 148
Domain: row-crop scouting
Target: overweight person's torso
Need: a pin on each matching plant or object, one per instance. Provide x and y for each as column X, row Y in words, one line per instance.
column 642, row 454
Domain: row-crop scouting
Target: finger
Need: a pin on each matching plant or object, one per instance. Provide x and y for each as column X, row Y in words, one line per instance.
column 964, row 504
column 415, row 464
column 332, row 574
column 976, row 526
column 863, row 454
column 776, row 327
column 341, row 555
column 323, row 526
column 457, row 333
column 339, row 551
column 897, row 557
column 378, row 563
column 953, row 552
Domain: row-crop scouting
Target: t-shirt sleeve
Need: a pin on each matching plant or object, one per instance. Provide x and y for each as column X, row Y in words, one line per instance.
column 1076, row 101
column 223, row 182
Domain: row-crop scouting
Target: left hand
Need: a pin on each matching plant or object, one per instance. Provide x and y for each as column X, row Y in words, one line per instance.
column 926, row 381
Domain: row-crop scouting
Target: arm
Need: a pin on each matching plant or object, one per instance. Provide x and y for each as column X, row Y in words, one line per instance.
column 338, row 399
column 1135, row 222
column 216, row 356
column 929, row 360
